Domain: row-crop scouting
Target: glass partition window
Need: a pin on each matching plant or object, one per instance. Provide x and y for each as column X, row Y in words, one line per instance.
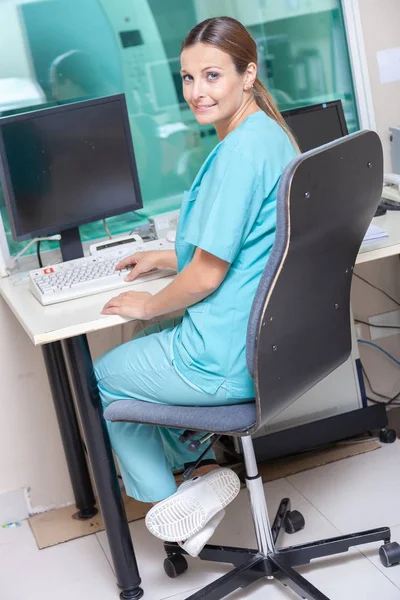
column 58, row 51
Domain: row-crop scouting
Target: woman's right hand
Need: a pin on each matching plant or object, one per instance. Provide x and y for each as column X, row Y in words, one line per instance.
column 141, row 262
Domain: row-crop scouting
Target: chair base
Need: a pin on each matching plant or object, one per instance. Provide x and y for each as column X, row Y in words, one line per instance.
column 251, row 565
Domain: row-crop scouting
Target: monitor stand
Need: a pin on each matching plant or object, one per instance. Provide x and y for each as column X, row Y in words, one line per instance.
column 70, row 244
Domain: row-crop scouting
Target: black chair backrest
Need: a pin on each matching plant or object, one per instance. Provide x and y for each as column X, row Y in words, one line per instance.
column 299, row 328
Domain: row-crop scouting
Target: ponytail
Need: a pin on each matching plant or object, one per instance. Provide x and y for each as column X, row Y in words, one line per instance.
column 266, row 103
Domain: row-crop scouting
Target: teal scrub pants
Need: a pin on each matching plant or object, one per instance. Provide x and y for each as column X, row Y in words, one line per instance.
column 143, row 369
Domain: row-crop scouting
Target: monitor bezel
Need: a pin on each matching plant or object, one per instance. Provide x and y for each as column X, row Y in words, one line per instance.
column 320, row 106
column 16, row 231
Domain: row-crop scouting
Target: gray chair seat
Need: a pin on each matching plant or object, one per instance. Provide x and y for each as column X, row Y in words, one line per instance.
column 232, row 417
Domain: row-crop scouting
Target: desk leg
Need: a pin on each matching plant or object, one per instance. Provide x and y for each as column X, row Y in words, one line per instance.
column 98, row 444
column 69, row 429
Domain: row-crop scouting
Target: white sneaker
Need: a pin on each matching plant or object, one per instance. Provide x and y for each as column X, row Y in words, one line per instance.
column 196, row 502
column 195, row 544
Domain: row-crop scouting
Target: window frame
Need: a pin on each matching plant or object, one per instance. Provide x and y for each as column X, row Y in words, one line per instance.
column 358, row 63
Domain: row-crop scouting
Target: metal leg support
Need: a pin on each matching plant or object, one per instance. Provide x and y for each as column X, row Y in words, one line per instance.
column 241, row 577
column 305, row 553
column 279, row 521
column 69, row 429
column 265, row 539
column 222, row 554
column 101, row 459
column 293, row 580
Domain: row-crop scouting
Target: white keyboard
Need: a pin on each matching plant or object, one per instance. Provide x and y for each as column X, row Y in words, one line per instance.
column 91, row 274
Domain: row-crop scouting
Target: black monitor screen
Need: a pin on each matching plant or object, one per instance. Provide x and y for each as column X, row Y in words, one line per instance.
column 316, row 125
column 68, row 165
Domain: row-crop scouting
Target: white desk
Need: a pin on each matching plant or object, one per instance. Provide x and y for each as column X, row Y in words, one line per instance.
column 384, row 247
column 45, row 324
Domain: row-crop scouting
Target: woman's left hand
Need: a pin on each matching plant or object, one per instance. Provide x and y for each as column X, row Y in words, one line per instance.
column 129, row 304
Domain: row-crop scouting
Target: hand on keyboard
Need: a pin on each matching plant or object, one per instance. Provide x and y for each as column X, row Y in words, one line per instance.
column 102, row 271
column 141, row 262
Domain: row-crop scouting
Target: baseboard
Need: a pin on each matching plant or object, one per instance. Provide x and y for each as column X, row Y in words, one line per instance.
column 14, row 506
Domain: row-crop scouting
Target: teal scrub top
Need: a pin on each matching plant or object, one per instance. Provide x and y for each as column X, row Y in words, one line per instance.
column 230, row 211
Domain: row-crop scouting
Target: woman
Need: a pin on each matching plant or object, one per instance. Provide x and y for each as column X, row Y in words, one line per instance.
column 225, row 234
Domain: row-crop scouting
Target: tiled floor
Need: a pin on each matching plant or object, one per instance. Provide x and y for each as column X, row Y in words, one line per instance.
column 357, row 493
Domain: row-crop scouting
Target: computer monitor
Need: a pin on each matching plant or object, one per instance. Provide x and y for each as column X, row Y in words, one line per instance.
column 316, row 125
column 68, row 165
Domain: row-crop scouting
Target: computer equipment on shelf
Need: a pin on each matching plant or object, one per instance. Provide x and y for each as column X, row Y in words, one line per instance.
column 391, row 191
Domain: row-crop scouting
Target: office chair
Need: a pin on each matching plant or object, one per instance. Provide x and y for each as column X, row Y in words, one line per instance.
column 298, row 332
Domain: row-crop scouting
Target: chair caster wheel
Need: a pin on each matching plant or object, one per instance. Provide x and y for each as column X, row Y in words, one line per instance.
column 294, row 521
column 389, row 554
column 175, row 565
column 387, row 436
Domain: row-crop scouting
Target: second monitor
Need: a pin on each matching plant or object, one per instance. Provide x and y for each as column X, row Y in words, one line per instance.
column 316, row 125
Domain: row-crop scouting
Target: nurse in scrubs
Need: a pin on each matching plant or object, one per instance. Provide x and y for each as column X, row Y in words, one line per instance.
column 225, row 234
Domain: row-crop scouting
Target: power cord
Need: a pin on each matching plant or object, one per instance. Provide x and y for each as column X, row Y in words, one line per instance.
column 380, row 350
column 56, row 237
column 377, row 288
column 377, row 326
column 108, row 232
column 38, row 254
column 390, row 400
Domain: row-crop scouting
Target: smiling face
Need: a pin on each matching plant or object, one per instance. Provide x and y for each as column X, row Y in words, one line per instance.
column 214, row 90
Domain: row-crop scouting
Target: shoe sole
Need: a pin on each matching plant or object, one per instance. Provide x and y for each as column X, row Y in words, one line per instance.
column 178, row 518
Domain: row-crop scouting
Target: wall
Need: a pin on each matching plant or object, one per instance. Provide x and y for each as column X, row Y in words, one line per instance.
column 30, row 448
column 380, row 23
column 31, row 453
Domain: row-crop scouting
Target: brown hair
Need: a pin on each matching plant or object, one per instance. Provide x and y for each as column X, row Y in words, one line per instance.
column 232, row 37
